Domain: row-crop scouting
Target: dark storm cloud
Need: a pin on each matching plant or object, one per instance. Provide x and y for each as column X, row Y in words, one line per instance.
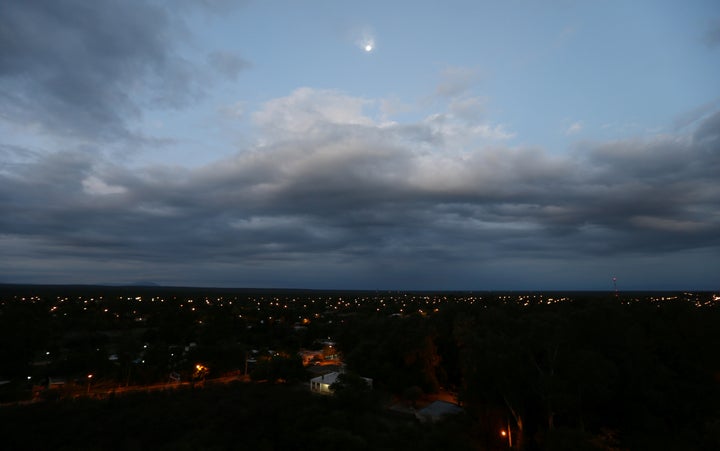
column 708, row 135
column 70, row 65
column 350, row 199
column 86, row 68
column 12, row 156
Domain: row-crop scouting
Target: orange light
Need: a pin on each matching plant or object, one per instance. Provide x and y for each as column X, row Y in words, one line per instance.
column 503, row 433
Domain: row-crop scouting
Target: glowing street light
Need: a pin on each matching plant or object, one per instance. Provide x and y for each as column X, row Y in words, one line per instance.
column 200, row 371
column 507, row 433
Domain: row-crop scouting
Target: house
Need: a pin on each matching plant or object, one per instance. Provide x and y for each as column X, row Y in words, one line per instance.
column 321, row 384
column 55, row 382
column 309, row 357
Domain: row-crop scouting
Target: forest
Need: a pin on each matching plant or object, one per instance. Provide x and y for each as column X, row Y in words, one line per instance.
column 568, row 371
column 588, row 374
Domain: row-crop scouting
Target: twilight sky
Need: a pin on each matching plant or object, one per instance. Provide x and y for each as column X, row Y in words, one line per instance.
column 477, row 145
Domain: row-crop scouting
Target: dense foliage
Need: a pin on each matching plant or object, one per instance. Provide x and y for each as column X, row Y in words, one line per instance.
column 589, row 374
column 242, row 416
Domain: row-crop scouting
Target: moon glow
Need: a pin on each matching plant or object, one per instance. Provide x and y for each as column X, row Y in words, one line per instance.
column 366, row 41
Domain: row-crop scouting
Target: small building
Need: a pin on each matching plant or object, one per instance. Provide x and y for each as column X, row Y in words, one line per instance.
column 309, row 356
column 55, row 382
column 321, row 384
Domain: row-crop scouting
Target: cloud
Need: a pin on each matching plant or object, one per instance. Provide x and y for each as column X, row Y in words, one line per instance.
column 469, row 108
column 67, row 68
column 319, row 184
column 455, row 81
column 307, row 110
column 669, row 225
column 695, row 115
column 94, row 186
column 458, row 133
column 236, row 110
column 708, row 132
column 575, row 127
column 392, row 106
column 228, row 64
column 86, row 70
column 334, row 192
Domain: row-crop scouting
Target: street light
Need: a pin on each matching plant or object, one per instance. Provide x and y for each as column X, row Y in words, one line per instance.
column 200, row 371
column 507, row 433
column 89, row 379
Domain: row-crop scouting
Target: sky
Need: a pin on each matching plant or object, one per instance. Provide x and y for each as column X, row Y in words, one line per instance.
column 404, row 145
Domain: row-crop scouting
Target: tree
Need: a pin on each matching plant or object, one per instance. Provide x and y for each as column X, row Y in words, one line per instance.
column 354, row 392
column 495, row 368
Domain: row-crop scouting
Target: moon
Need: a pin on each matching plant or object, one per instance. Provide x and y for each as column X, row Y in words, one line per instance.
column 366, row 41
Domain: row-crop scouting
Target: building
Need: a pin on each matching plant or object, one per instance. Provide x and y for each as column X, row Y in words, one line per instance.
column 321, row 384
column 309, row 357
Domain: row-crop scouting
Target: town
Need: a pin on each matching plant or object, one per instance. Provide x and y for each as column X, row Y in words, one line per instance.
column 510, row 370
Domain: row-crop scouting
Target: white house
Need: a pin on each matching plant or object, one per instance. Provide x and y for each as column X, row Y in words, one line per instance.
column 321, row 384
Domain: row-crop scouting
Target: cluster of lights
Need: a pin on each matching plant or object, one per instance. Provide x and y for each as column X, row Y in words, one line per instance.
column 264, row 309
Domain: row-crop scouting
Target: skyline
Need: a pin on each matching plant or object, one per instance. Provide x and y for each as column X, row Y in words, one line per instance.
column 474, row 146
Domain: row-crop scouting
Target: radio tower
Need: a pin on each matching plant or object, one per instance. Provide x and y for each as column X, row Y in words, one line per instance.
column 614, row 279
